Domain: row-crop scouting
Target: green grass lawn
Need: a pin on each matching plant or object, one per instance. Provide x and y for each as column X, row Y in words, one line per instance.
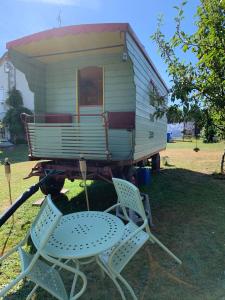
column 188, row 207
column 202, row 146
column 15, row 154
column 207, row 160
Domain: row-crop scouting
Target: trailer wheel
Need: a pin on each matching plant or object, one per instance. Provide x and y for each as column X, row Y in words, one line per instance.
column 156, row 163
column 130, row 174
column 52, row 185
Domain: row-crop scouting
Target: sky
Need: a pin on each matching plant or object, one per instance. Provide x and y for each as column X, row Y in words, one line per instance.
column 19, row 18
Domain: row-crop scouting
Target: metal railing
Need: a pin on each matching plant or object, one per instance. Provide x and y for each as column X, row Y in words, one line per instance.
column 64, row 136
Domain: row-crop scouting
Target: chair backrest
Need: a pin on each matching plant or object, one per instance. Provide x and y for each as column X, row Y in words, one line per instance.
column 45, row 223
column 129, row 196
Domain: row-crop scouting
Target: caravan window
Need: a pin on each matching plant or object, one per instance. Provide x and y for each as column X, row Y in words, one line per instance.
column 152, row 92
column 90, row 86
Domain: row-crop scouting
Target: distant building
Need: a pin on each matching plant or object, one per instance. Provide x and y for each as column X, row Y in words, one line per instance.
column 10, row 77
column 177, row 129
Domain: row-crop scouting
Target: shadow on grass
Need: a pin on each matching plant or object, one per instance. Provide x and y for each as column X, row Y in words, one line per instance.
column 17, row 153
column 169, row 165
column 188, row 210
column 101, row 196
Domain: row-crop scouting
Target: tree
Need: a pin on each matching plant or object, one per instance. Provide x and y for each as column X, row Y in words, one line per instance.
column 174, row 114
column 201, row 83
column 12, row 117
column 15, row 98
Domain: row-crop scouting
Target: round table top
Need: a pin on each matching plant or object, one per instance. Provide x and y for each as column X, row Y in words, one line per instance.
column 84, row 234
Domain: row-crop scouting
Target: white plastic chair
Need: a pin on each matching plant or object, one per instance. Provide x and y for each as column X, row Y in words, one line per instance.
column 34, row 268
column 115, row 259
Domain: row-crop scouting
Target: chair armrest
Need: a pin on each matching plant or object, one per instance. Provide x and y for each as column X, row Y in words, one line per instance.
column 112, row 207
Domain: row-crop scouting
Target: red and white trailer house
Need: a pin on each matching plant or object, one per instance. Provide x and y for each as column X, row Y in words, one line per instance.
column 92, row 86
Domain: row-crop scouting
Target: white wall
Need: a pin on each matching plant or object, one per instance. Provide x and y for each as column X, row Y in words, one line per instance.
column 150, row 134
column 21, row 85
column 3, row 91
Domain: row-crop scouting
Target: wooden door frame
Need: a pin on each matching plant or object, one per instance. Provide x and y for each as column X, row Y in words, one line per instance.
column 77, row 93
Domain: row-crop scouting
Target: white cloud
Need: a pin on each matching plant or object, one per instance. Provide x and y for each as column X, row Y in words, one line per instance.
column 80, row 3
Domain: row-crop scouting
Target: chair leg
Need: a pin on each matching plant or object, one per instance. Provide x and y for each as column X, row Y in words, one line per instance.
column 127, row 286
column 151, row 236
column 32, row 292
column 102, row 273
column 112, row 277
column 84, row 279
column 151, row 240
column 74, row 279
column 73, row 285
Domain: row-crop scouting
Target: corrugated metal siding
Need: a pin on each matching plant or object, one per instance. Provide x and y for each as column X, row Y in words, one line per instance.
column 150, row 136
column 120, row 140
column 60, row 89
column 120, row 144
column 119, row 93
column 71, row 141
column 119, row 89
column 91, row 110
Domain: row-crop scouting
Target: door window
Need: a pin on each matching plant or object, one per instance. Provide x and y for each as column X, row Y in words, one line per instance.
column 90, row 86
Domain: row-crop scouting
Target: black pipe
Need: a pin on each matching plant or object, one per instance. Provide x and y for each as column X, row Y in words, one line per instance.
column 32, row 190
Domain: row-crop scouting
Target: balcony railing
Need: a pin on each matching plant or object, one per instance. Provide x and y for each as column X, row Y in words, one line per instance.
column 67, row 136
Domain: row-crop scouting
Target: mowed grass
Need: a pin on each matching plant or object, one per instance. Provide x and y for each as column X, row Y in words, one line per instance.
column 188, row 207
column 206, row 160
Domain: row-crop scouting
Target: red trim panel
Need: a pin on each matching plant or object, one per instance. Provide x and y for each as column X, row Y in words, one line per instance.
column 68, row 30
column 121, row 120
column 58, row 119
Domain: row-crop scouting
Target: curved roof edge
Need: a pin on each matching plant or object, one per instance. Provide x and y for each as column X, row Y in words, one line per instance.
column 68, row 30
column 85, row 28
column 3, row 58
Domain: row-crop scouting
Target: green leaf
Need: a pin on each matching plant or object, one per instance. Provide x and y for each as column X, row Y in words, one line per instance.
column 202, row 80
column 181, row 12
column 185, row 47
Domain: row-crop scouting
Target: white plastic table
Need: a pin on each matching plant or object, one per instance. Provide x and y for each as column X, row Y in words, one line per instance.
column 84, row 234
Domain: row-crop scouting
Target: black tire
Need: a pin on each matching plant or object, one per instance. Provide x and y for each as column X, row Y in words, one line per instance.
column 156, row 163
column 118, row 172
column 52, row 185
column 130, row 174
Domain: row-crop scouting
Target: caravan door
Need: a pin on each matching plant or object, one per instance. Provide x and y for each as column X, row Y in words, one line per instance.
column 90, row 103
column 90, row 91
